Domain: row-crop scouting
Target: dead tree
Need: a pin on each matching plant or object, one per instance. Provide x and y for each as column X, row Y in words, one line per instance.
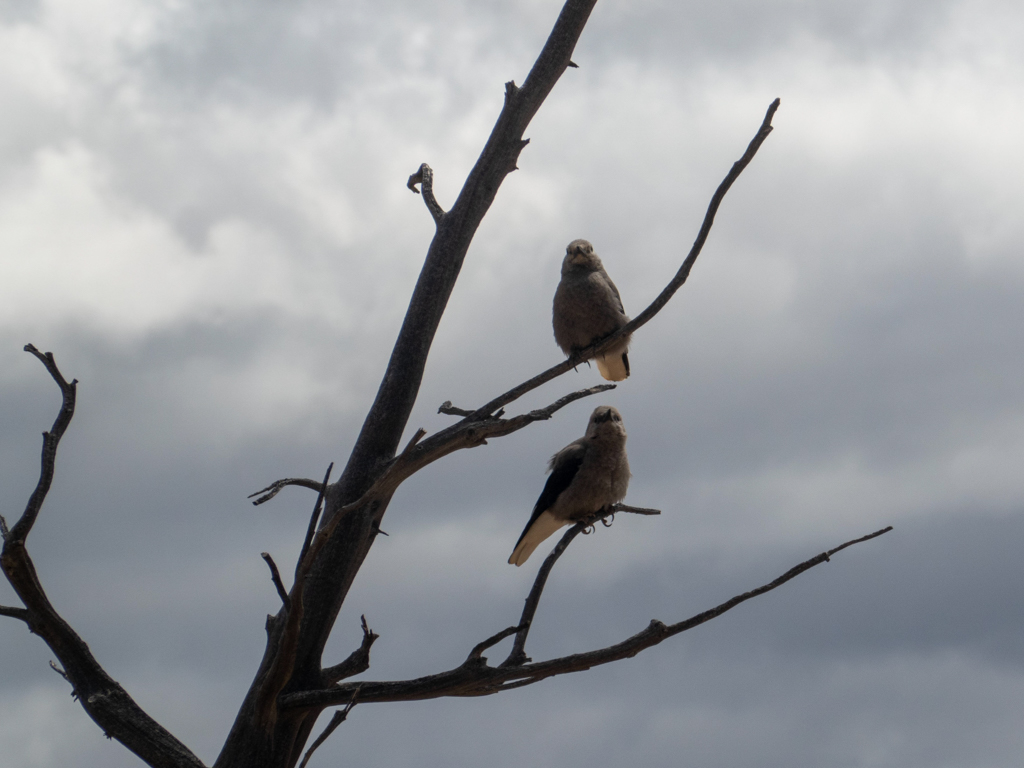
column 292, row 685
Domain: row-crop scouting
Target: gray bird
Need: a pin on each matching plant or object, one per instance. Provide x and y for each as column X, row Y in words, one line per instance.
column 587, row 308
column 587, row 475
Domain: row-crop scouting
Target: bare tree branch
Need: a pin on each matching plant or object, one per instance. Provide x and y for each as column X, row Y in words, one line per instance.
column 447, row 408
column 518, row 655
column 414, row 440
column 50, row 442
column 482, row 680
column 63, row 674
column 282, row 664
column 313, row 520
column 275, row 576
column 425, row 178
column 275, row 488
column 14, row 613
column 358, row 661
column 106, row 702
column 663, row 298
column 464, row 434
column 339, row 717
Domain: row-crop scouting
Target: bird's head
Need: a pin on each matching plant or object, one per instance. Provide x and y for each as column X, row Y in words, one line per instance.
column 579, row 255
column 605, row 420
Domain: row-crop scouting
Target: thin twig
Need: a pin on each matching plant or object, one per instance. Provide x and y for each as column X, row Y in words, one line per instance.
column 59, row 671
column 425, row 178
column 50, row 441
column 313, row 520
column 338, row 718
column 476, row 654
column 275, row 576
column 358, row 661
column 14, row 613
column 450, row 410
column 275, row 488
column 850, row 543
column 414, row 440
column 482, row 680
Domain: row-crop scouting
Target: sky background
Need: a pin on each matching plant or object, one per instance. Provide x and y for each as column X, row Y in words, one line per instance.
column 203, row 214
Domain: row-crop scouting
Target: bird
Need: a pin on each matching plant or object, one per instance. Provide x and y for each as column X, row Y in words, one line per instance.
column 587, row 308
column 587, row 475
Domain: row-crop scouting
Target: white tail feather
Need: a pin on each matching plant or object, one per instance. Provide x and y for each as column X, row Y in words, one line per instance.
column 612, row 367
column 542, row 527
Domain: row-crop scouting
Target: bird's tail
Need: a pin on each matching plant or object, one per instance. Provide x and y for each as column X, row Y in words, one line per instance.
column 541, row 528
column 613, row 367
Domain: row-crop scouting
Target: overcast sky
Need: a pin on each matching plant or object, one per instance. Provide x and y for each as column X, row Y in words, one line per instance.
column 203, row 215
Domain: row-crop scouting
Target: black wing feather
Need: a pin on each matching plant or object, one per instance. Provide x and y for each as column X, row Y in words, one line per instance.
column 561, row 477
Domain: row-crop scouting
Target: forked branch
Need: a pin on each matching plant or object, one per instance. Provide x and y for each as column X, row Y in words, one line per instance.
column 518, row 653
column 338, row 718
column 421, row 452
column 107, row 703
column 482, row 680
column 357, row 662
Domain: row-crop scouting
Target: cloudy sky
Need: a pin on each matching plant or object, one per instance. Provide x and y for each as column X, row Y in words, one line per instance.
column 203, row 214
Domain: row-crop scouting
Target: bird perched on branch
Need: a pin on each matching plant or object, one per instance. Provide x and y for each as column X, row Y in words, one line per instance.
column 587, row 308
column 587, row 475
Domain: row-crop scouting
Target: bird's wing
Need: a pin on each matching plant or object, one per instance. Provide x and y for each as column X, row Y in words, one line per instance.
column 564, row 466
column 615, row 291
